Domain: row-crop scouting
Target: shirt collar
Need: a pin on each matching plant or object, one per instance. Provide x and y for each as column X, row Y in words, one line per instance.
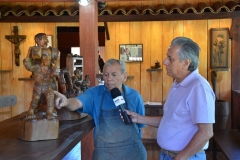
column 123, row 86
column 186, row 81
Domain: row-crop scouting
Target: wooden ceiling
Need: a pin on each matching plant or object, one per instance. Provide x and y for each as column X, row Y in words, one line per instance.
column 66, row 0
column 158, row 12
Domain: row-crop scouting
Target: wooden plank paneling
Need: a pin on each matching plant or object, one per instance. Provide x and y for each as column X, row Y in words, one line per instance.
column 5, row 64
column 225, row 83
column 190, row 28
column 138, row 32
column 166, row 41
column 134, row 38
column 111, row 47
column 156, row 55
column 145, row 76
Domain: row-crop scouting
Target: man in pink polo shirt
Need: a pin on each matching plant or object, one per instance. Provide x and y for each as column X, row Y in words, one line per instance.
column 189, row 110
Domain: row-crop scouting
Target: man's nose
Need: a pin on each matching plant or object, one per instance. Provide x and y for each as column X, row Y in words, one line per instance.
column 166, row 61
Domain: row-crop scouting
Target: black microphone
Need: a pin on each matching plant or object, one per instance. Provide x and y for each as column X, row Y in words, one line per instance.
column 119, row 102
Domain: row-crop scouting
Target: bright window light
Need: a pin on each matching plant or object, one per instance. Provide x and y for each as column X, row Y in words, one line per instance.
column 83, row 2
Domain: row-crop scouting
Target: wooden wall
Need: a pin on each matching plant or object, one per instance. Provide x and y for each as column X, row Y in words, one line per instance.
column 155, row 37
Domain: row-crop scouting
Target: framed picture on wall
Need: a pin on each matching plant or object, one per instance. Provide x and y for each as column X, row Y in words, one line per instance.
column 131, row 52
column 219, row 55
column 49, row 41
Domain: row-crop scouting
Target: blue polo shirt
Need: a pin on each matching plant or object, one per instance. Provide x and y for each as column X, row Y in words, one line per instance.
column 92, row 98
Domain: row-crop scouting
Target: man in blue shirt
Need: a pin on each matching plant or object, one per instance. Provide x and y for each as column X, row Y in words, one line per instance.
column 188, row 113
column 112, row 138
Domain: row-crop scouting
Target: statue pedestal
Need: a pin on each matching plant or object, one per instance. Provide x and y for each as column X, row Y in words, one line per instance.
column 39, row 128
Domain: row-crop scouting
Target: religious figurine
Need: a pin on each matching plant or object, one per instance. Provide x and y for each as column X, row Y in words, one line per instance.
column 43, row 79
column 100, row 63
column 85, row 83
column 16, row 40
column 76, row 80
column 65, row 81
column 157, row 65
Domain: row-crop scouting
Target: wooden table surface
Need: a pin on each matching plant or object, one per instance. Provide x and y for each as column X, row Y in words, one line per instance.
column 70, row 134
column 228, row 141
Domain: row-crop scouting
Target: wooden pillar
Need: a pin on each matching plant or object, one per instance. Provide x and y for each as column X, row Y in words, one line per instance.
column 235, row 76
column 88, row 30
column 89, row 39
column 235, row 34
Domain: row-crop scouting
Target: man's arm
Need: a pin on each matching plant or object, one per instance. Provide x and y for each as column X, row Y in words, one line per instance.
column 204, row 133
column 151, row 121
column 71, row 104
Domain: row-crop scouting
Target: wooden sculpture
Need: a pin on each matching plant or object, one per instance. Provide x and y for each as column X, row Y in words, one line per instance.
column 41, row 121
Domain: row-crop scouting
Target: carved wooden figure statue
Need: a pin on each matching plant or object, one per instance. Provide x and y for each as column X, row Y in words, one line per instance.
column 76, row 81
column 43, row 79
column 85, row 83
column 62, row 75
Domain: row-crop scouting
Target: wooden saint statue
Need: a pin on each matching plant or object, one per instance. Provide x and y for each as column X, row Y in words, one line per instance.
column 76, row 80
column 43, row 79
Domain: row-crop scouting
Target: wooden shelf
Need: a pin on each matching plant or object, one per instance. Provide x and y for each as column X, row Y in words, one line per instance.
column 25, row 79
column 154, row 74
column 220, row 69
column 151, row 69
column 5, row 70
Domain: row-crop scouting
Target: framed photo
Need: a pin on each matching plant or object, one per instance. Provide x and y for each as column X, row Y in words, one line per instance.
column 49, row 41
column 131, row 52
column 219, row 55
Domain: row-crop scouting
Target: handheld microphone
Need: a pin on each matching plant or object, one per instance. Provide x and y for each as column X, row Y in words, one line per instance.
column 119, row 102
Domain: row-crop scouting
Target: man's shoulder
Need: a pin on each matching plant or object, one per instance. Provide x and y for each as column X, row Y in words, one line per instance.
column 130, row 91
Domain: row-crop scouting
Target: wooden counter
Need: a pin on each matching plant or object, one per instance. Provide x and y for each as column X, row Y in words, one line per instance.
column 228, row 141
column 70, row 134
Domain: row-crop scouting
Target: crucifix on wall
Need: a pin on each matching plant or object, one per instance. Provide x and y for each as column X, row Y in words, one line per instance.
column 16, row 40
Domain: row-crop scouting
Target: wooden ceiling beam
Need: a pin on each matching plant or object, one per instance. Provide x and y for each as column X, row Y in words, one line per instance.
column 124, row 18
column 66, row 0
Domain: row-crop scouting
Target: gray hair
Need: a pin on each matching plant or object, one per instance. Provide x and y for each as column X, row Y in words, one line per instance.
column 112, row 61
column 188, row 50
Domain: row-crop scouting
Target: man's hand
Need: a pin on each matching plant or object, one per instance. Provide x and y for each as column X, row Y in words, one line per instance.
column 134, row 116
column 60, row 100
column 148, row 120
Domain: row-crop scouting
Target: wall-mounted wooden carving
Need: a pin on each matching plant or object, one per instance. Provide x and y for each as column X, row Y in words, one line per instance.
column 16, row 40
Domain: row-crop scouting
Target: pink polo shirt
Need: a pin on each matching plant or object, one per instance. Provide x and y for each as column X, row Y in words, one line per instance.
column 190, row 102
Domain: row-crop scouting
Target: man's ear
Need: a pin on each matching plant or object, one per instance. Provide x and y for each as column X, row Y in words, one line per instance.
column 125, row 77
column 187, row 63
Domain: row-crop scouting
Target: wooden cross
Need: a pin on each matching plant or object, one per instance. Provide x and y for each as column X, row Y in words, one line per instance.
column 16, row 40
